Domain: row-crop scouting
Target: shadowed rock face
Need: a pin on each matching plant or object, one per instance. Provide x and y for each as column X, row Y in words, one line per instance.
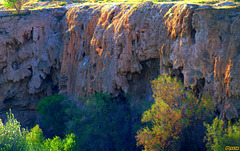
column 118, row 48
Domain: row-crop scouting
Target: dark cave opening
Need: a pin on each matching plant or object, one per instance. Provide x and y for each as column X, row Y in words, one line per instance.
column 220, row 37
column 198, row 88
column 178, row 74
column 133, row 43
column 140, row 83
column 111, row 16
column 15, row 65
column 83, row 54
column 30, row 69
column 138, row 41
column 50, row 84
column 193, row 33
column 9, row 101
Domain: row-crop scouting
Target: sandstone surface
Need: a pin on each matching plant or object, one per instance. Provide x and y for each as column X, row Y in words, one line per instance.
column 119, row 48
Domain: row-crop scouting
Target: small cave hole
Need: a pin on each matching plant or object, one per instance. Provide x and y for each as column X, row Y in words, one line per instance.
column 94, row 65
column 120, row 98
column 220, row 37
column 199, row 87
column 178, row 74
column 31, row 34
column 193, row 33
column 15, row 65
column 133, row 43
column 55, row 89
column 82, row 27
column 111, row 17
column 9, row 101
column 30, row 69
column 83, row 54
column 138, row 41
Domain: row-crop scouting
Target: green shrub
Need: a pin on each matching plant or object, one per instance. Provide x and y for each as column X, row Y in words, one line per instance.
column 218, row 137
column 53, row 112
column 11, row 136
column 63, row 3
column 57, row 144
column 175, row 112
column 104, row 123
column 35, row 139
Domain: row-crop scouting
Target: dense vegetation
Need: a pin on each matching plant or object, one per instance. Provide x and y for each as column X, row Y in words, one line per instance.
column 220, row 136
column 177, row 120
column 173, row 118
column 101, row 123
column 13, row 138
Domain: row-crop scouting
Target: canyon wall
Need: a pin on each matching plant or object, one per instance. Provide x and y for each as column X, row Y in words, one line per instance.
column 86, row 49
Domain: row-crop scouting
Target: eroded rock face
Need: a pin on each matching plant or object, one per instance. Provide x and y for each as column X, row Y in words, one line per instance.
column 115, row 48
column 30, row 47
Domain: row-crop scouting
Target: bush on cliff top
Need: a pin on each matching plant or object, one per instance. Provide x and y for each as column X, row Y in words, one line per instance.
column 16, row 4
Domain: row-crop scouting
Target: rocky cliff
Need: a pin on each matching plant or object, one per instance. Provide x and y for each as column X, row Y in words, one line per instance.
column 118, row 48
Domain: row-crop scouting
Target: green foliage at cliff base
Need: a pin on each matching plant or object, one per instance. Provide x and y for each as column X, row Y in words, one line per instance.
column 175, row 121
column 174, row 116
column 13, row 138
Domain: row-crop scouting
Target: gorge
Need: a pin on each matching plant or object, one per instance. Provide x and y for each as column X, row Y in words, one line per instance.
column 118, row 48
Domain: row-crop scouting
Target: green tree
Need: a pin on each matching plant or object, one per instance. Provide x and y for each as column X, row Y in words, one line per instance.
column 35, row 139
column 17, row 4
column 218, row 135
column 53, row 112
column 56, row 144
column 11, row 136
column 165, row 116
column 174, row 110
column 104, row 123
